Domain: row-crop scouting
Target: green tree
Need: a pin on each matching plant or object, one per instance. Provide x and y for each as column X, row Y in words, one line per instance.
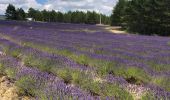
column 11, row 13
column 91, row 17
column 60, row 17
column 117, row 18
column 46, row 16
column 32, row 13
column 53, row 16
column 67, row 17
column 148, row 17
column 20, row 14
column 38, row 15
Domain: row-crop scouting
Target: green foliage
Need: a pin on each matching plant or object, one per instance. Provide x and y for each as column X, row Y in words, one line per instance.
column 46, row 16
column 162, row 82
column 135, row 74
column 53, row 16
column 76, row 76
column 117, row 18
column 143, row 16
column 11, row 13
column 148, row 96
column 41, row 63
column 81, row 59
column 7, row 71
column 86, row 82
column 10, row 72
column 65, row 74
column 32, row 13
column 105, row 68
column 168, row 43
column 160, row 67
column 26, row 85
column 119, row 93
column 21, row 15
column 91, row 18
column 2, row 68
column 15, row 53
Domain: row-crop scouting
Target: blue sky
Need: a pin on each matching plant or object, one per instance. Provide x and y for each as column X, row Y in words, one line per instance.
column 102, row 6
column 41, row 1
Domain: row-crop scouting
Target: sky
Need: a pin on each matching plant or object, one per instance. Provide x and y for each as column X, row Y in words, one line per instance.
column 102, row 6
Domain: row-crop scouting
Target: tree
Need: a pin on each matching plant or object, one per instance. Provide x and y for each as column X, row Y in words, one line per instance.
column 60, row 17
column 67, row 17
column 32, row 13
column 117, row 18
column 21, row 14
column 143, row 16
column 11, row 13
column 149, row 17
column 91, row 18
column 105, row 19
column 45, row 14
column 53, row 16
column 38, row 16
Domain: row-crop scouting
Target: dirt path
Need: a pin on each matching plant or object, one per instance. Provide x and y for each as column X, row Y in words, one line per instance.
column 115, row 30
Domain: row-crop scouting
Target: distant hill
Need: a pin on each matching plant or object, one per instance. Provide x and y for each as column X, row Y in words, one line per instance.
column 2, row 17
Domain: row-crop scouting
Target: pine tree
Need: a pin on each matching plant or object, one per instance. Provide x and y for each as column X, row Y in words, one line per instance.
column 148, row 17
column 117, row 18
column 11, row 13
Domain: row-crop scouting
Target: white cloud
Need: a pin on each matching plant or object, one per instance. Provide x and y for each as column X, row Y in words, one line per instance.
column 2, row 8
column 25, row 4
column 103, row 6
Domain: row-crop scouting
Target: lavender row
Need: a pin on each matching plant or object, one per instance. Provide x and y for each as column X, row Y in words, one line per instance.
column 52, row 86
column 120, row 37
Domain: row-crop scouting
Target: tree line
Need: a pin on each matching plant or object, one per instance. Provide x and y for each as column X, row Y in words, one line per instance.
column 52, row 16
column 148, row 17
column 143, row 16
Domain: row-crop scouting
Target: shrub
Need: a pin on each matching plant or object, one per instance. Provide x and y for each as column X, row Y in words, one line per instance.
column 26, row 85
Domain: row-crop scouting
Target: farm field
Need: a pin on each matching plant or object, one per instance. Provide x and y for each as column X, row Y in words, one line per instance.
column 57, row 61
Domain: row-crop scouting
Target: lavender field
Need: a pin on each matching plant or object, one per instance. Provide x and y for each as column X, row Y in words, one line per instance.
column 55, row 61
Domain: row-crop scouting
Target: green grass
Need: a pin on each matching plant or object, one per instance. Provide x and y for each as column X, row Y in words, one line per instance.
column 1, row 69
column 11, row 72
column 41, row 63
column 159, row 67
column 163, row 82
column 133, row 75
column 168, row 43
column 27, row 86
column 148, row 96
column 4, row 70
